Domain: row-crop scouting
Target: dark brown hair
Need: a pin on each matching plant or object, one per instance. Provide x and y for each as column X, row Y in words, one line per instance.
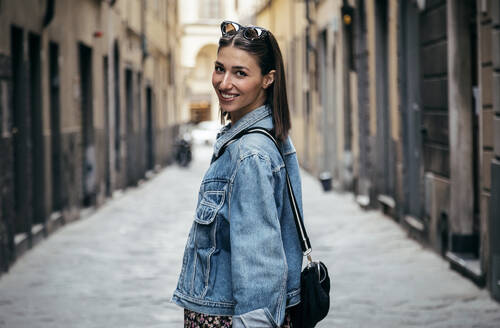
column 268, row 55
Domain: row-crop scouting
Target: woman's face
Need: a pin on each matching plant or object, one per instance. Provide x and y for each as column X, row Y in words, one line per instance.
column 238, row 82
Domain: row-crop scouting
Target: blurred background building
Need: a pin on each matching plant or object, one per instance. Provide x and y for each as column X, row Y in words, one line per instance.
column 88, row 104
column 200, row 23
column 399, row 101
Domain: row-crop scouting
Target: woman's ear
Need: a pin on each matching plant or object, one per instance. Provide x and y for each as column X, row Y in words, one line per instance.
column 269, row 78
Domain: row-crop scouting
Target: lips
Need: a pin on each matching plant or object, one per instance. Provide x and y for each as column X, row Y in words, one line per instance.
column 228, row 96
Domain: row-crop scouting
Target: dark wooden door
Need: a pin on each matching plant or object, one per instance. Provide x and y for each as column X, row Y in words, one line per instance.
column 38, row 162
column 149, row 129
column 434, row 89
column 117, row 109
column 55, row 128
column 105, row 66
column 411, row 111
column 20, row 132
column 89, row 153
column 363, row 188
column 385, row 166
column 129, row 102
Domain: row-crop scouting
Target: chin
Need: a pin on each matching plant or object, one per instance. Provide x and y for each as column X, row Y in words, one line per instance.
column 229, row 109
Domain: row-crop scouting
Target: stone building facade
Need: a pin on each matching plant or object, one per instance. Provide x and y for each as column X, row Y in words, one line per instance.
column 314, row 44
column 88, row 105
column 399, row 102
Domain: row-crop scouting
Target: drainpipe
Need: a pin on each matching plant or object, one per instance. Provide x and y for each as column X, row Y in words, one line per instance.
column 308, row 28
column 144, row 40
column 309, row 47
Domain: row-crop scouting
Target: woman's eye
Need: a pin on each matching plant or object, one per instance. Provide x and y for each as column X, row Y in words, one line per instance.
column 241, row 73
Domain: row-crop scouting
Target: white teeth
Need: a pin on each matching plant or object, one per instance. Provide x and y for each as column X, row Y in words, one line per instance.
column 227, row 96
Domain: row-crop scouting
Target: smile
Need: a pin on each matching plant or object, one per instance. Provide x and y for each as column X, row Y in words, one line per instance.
column 227, row 95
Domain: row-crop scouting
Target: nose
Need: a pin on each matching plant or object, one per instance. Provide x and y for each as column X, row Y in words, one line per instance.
column 226, row 82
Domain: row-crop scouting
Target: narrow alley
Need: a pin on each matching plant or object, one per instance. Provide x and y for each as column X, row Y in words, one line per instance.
column 118, row 266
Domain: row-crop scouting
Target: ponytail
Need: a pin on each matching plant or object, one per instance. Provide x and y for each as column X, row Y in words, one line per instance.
column 277, row 97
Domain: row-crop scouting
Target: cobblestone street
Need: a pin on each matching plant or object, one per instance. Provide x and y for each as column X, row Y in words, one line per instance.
column 118, row 266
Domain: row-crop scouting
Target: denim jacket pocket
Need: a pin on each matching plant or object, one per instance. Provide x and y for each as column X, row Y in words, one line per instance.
column 206, row 212
column 210, row 203
column 204, row 237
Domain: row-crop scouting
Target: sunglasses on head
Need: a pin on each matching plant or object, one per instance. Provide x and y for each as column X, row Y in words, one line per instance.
column 250, row 33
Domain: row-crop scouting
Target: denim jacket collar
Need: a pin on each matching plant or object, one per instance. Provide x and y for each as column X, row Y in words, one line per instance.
column 229, row 131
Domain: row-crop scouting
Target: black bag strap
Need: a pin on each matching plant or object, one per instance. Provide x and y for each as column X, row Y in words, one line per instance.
column 299, row 224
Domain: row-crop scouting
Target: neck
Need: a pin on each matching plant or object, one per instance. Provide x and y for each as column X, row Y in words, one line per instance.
column 236, row 116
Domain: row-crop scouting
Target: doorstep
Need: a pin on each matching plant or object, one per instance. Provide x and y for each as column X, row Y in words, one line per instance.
column 37, row 234
column 415, row 223
column 388, row 205
column 467, row 264
column 363, row 201
column 21, row 244
column 387, row 200
column 55, row 221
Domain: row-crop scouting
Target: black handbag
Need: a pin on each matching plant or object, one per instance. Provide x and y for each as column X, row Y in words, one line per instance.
column 314, row 279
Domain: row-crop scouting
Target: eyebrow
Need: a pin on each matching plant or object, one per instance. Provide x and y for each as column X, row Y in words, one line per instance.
column 234, row 67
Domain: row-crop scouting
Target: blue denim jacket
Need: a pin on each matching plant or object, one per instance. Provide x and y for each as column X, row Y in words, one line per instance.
column 243, row 256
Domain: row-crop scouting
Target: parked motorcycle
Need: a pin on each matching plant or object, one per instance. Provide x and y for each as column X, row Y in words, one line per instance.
column 183, row 153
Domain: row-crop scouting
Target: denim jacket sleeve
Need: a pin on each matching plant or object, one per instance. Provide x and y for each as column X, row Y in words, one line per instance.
column 258, row 262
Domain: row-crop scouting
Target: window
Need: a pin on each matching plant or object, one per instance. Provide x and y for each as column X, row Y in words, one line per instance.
column 210, row 9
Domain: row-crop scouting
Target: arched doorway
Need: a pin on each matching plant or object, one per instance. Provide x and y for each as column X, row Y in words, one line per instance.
column 202, row 105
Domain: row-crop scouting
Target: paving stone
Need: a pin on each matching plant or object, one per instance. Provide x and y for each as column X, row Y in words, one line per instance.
column 119, row 266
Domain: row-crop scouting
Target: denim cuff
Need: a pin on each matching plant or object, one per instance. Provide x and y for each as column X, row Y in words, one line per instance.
column 260, row 318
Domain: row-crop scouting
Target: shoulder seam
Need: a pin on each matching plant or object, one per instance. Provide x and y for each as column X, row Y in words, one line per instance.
column 264, row 156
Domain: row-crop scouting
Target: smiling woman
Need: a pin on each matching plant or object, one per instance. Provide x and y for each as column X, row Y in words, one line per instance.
column 242, row 262
column 239, row 83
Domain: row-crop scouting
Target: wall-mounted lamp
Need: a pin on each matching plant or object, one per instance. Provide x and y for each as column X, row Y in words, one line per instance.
column 347, row 15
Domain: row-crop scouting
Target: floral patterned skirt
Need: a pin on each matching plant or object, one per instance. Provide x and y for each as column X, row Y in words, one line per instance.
column 199, row 320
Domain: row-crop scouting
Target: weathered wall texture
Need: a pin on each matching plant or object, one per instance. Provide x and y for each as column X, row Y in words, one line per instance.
column 414, row 126
column 89, row 83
